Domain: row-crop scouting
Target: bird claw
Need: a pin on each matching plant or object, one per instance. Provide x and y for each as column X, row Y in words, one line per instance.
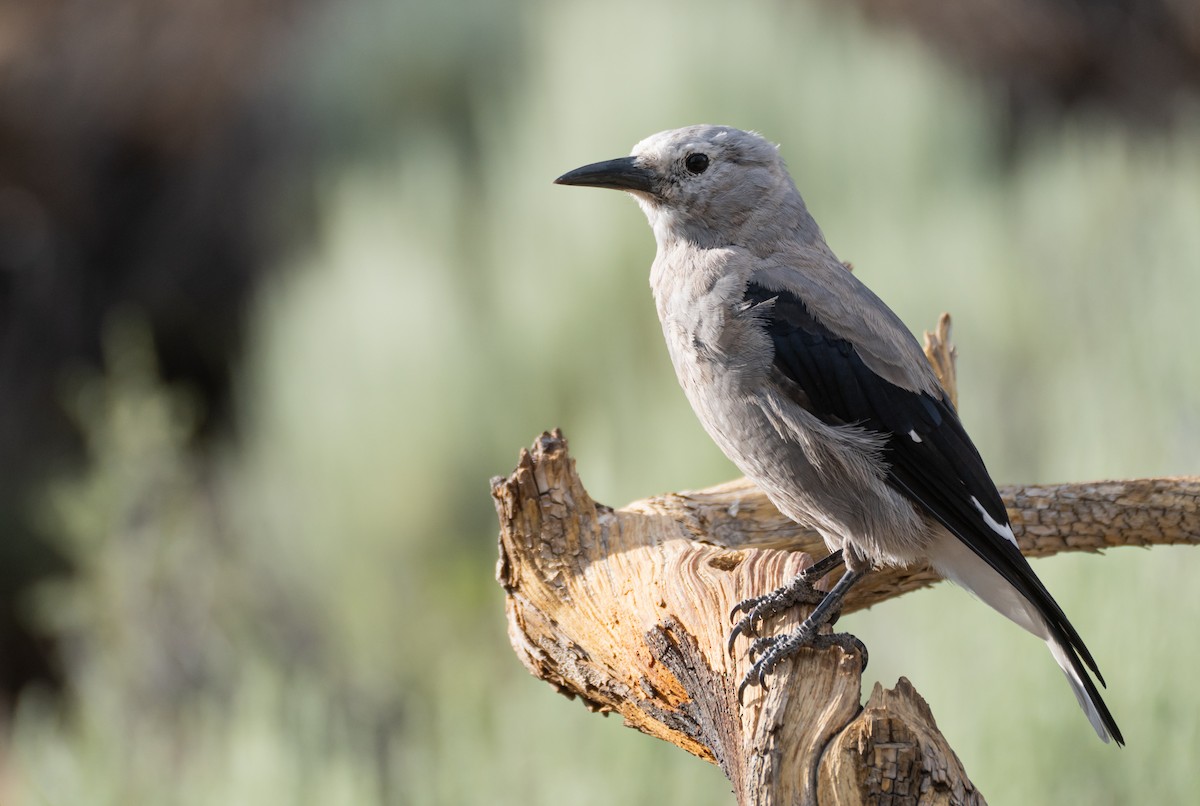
column 744, row 606
column 761, row 645
column 766, row 652
column 742, row 690
column 775, row 649
column 754, row 676
column 758, row 609
column 733, row 634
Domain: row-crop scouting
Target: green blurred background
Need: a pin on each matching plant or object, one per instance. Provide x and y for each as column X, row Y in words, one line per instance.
column 288, row 596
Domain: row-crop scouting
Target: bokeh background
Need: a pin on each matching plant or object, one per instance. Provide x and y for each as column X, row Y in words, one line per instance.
column 284, row 282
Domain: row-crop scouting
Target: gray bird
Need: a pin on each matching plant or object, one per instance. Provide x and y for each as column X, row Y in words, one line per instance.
column 817, row 391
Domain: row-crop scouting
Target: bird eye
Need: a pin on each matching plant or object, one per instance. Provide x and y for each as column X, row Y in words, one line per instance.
column 696, row 163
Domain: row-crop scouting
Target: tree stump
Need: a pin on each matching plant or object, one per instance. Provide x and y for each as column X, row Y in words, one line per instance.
column 628, row 610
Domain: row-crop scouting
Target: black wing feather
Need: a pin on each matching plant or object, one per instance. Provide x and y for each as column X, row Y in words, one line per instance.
column 940, row 474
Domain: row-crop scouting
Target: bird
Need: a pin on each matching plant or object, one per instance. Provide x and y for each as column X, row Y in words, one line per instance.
column 820, row 395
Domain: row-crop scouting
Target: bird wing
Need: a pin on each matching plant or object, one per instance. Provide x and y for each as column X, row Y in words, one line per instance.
column 930, row 459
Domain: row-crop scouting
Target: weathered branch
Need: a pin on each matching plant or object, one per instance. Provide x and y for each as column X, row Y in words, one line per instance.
column 1046, row 518
column 628, row 611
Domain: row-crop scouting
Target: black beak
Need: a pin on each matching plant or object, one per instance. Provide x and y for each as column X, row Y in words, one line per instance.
column 619, row 174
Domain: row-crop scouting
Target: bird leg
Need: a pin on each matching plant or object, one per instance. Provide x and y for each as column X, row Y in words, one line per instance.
column 799, row 591
column 774, row 649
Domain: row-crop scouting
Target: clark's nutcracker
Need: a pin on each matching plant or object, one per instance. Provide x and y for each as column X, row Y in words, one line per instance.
column 819, row 394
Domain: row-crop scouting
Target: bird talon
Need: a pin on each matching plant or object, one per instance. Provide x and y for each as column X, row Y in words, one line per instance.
column 749, row 624
column 747, row 605
column 742, row 690
column 760, row 647
column 733, row 634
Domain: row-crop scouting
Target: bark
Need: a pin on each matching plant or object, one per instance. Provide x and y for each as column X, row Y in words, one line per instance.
column 628, row 610
column 1046, row 519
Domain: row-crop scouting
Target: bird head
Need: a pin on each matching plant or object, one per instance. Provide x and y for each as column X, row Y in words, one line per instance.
column 707, row 185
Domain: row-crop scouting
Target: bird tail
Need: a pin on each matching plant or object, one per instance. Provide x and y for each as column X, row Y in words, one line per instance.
column 956, row 562
column 1086, row 693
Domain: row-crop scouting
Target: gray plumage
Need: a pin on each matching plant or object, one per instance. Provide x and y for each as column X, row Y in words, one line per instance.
column 814, row 388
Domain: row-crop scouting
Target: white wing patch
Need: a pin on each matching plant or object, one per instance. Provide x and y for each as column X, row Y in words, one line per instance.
column 915, row 437
column 1004, row 531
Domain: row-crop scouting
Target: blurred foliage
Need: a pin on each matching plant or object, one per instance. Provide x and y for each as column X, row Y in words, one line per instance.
column 309, row 615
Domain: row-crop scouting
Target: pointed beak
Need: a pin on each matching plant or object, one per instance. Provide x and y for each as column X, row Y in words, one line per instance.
column 619, row 174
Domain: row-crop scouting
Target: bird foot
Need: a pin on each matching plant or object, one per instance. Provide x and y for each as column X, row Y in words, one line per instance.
column 758, row 609
column 776, row 648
